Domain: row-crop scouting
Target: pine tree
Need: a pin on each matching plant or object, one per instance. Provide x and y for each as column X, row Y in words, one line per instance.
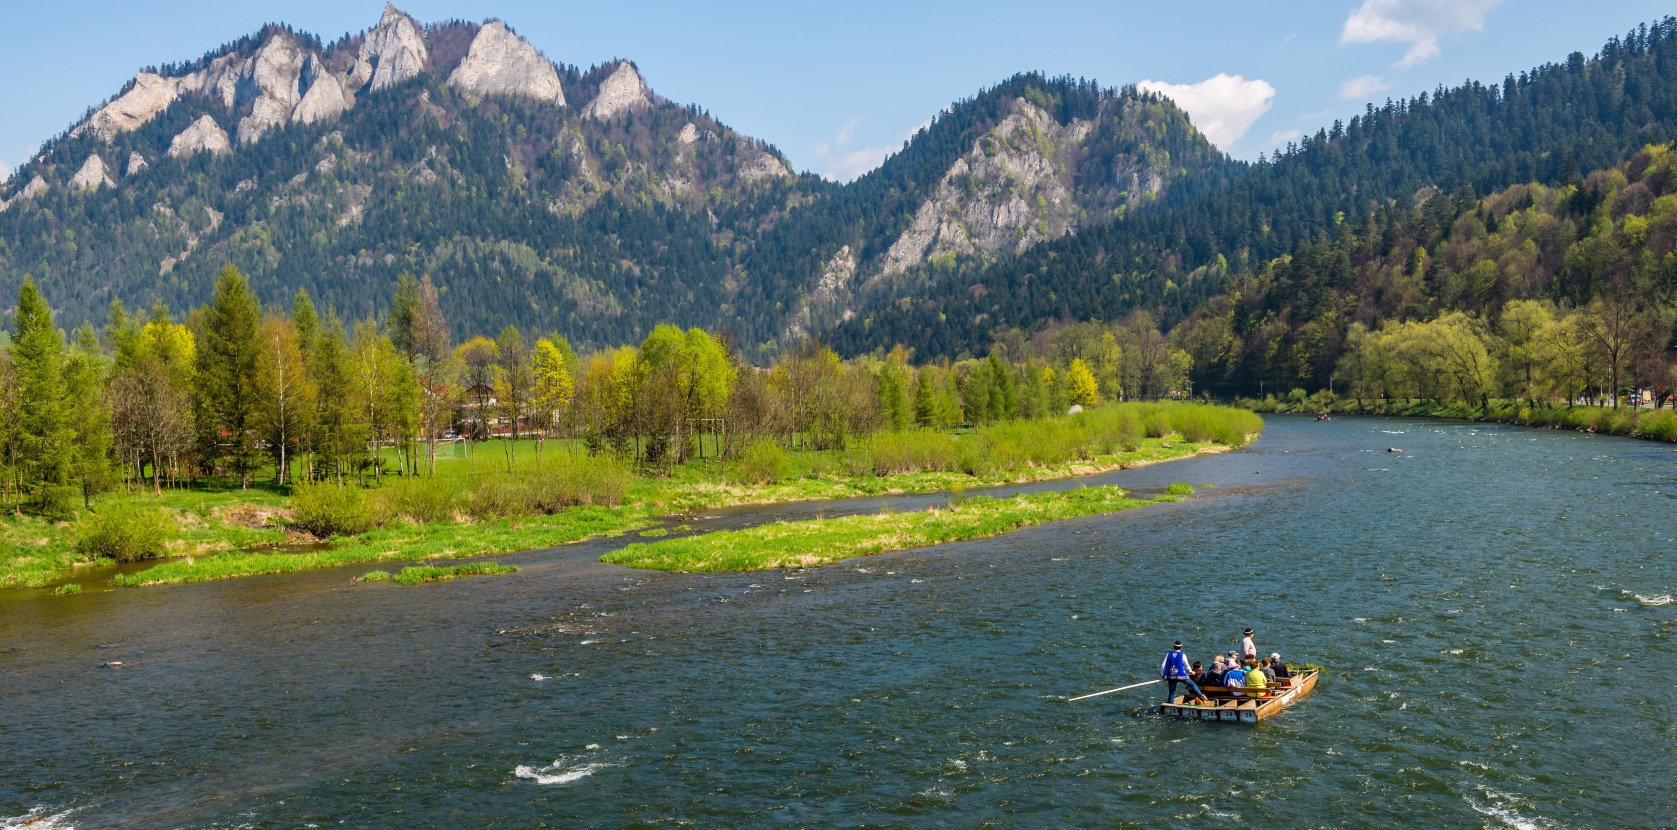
column 45, row 430
column 227, row 404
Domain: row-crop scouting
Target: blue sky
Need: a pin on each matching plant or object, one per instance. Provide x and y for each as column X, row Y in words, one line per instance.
column 838, row 85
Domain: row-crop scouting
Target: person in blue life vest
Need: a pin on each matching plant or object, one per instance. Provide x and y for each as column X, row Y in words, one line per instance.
column 1175, row 670
column 1235, row 680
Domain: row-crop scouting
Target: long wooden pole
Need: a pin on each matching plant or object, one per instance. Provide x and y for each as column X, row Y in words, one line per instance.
column 1119, row 689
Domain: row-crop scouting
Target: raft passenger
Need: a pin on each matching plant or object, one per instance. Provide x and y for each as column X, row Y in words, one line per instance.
column 1256, row 684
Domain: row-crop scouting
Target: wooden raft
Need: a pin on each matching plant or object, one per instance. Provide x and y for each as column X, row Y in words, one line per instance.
column 1225, row 705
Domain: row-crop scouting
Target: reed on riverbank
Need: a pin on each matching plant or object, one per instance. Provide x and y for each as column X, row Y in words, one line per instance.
column 824, row 541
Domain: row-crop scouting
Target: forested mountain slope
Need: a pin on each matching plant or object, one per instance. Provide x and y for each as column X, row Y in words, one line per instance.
column 1544, row 125
column 542, row 195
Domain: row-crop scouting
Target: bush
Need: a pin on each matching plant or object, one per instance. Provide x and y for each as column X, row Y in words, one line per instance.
column 67, row 589
column 329, row 510
column 567, row 481
column 374, row 576
column 1660, row 426
column 1180, row 488
column 418, row 500
column 126, row 534
column 761, row 462
column 894, row 453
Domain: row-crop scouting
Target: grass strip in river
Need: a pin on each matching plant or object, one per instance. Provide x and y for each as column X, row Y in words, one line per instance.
column 824, row 541
column 404, row 543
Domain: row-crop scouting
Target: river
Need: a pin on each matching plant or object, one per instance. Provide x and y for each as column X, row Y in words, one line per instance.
column 1493, row 603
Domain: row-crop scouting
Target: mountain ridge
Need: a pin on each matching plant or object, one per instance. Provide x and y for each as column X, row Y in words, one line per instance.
column 535, row 192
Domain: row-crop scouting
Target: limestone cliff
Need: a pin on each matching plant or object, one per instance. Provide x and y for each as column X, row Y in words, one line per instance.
column 203, row 135
column 150, row 95
column 324, row 99
column 1012, row 190
column 392, row 52
column 92, row 175
column 271, row 84
column 502, row 63
column 620, row 92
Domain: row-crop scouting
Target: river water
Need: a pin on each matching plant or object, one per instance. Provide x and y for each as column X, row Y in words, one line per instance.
column 1494, row 605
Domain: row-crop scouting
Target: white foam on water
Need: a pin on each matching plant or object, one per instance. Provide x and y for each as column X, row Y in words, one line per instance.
column 538, row 677
column 39, row 819
column 1657, row 600
column 592, row 747
column 1360, row 619
column 1456, row 651
column 563, row 770
column 1501, row 807
column 588, row 642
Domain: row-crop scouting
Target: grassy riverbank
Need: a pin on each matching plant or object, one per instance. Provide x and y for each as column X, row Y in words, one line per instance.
column 1628, row 422
column 824, row 541
column 476, row 507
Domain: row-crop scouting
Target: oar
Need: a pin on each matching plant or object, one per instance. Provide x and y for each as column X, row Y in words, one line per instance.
column 1119, row 689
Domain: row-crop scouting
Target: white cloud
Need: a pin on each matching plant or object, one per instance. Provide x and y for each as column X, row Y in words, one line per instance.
column 842, row 164
column 1363, row 86
column 1280, row 137
column 1223, row 106
column 846, row 132
column 1418, row 23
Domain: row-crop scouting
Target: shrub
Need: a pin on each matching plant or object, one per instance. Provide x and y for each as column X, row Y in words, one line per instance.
column 329, row 510
column 1180, row 488
column 67, row 589
column 912, row 451
column 571, row 480
column 374, row 576
column 1661, row 426
column 419, row 500
column 761, row 462
column 126, row 534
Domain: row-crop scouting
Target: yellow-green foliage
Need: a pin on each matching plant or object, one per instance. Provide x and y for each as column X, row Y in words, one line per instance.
column 822, row 541
column 761, row 462
column 126, row 533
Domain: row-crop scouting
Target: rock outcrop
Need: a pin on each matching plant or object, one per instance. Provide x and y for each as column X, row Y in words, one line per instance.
column 502, row 63
column 691, row 134
column 272, row 80
column 324, row 100
column 36, row 187
column 92, row 176
column 150, row 96
column 761, row 164
column 391, row 53
column 621, row 91
column 204, row 134
column 1008, row 193
column 136, row 163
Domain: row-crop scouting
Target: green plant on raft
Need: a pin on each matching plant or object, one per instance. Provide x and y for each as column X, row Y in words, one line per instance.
column 1180, row 488
column 67, row 589
column 417, row 574
column 126, row 534
column 374, row 576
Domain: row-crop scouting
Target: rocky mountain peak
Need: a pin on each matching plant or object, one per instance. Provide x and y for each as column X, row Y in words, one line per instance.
column 502, row 63
column 150, row 95
column 271, row 83
column 392, row 52
column 621, row 91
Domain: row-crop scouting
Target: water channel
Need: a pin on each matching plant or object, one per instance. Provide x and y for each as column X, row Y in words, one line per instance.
column 1494, row 605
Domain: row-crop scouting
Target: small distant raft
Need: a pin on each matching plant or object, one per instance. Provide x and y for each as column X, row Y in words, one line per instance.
column 1225, row 706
